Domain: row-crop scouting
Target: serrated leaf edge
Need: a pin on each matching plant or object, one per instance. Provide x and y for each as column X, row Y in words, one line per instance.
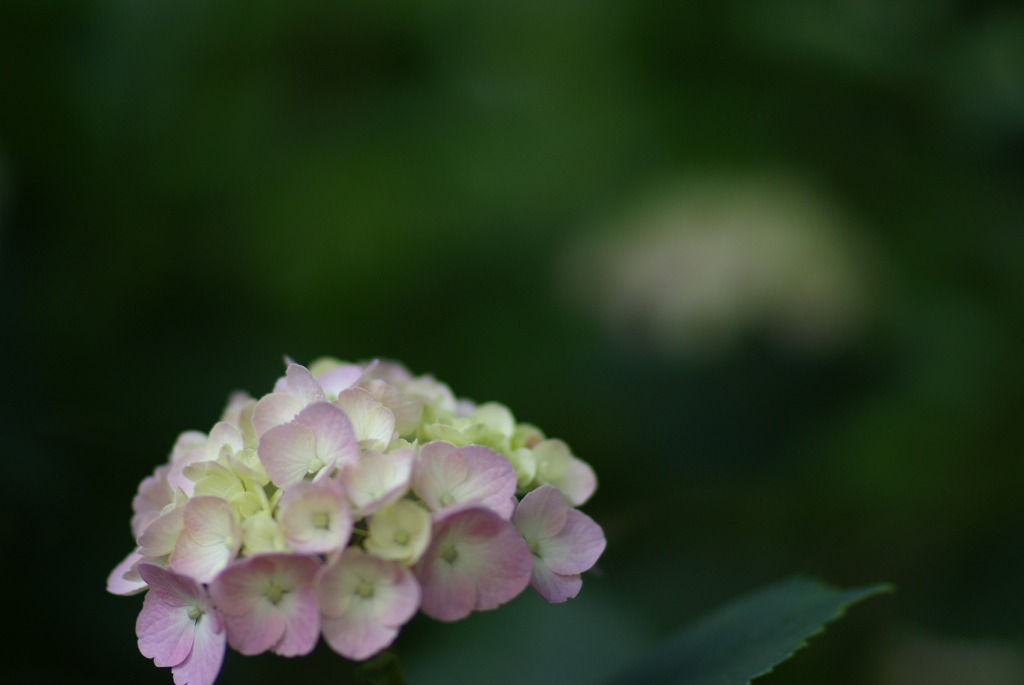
column 860, row 593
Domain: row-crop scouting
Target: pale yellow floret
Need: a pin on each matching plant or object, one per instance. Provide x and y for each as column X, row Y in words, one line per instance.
column 446, row 432
column 464, row 431
column 496, row 417
column 213, row 478
column 399, row 532
column 246, row 425
column 324, row 364
column 247, row 465
column 261, row 533
column 524, row 463
column 527, row 435
column 247, row 504
column 553, row 460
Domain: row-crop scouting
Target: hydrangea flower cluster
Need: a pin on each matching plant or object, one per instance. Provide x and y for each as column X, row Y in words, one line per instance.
column 340, row 504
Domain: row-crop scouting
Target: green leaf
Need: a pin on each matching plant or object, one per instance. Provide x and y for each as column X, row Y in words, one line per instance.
column 380, row 670
column 747, row 637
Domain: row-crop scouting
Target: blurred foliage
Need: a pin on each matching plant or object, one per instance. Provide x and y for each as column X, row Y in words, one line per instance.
column 190, row 190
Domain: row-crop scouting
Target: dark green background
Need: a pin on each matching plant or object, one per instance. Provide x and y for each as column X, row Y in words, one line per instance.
column 190, row 190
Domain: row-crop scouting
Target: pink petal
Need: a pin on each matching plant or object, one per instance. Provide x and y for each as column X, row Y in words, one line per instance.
column 160, row 536
column 576, row 547
column 578, row 482
column 403, row 598
column 223, row 433
column 339, row 378
column 189, row 448
column 447, row 595
column 392, row 372
column 286, row 452
column 207, row 655
column 320, row 434
column 357, row 637
column 553, row 586
column 441, row 467
column 490, row 564
column 302, row 627
column 371, row 624
column 166, row 630
column 124, row 579
column 202, row 562
column 358, row 626
column 173, row 589
column 377, row 479
column 256, row 632
column 209, row 520
column 210, row 540
column 541, row 513
column 370, row 419
column 165, row 633
column 273, row 410
column 153, row 495
column 406, row 410
column 302, row 503
column 301, row 384
column 446, row 475
column 336, row 441
column 237, row 589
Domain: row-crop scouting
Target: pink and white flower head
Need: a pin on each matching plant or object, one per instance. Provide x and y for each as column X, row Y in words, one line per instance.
column 341, row 503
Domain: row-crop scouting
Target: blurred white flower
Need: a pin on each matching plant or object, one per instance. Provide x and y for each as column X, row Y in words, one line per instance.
column 696, row 267
column 918, row 659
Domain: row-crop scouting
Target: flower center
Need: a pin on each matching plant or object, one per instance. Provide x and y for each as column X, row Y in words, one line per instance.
column 274, row 594
column 195, row 612
column 320, row 519
column 401, row 537
column 364, row 589
column 447, row 499
column 449, row 553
